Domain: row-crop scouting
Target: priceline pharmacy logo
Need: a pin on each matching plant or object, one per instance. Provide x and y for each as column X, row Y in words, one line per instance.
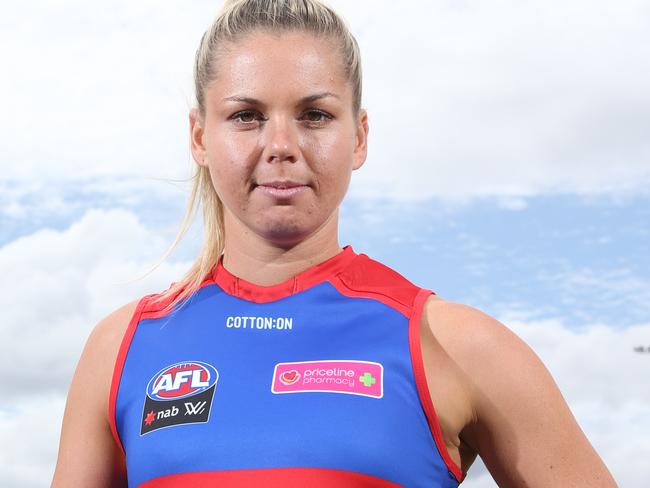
column 353, row 377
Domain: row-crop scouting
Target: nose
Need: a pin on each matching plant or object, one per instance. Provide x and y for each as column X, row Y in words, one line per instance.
column 280, row 140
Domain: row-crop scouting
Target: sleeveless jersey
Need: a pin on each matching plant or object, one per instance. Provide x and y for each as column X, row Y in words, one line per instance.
column 317, row 381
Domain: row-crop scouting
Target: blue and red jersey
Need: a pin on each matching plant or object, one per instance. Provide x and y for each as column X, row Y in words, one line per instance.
column 317, row 381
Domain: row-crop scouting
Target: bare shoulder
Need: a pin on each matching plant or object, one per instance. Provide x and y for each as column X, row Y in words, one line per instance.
column 101, row 349
column 106, row 338
column 464, row 329
column 88, row 454
column 519, row 422
column 479, row 343
column 95, row 367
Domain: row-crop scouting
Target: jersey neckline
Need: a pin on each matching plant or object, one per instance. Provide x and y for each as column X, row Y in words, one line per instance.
column 311, row 276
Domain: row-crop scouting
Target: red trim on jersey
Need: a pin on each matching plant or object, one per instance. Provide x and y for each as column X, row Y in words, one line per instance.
column 271, row 478
column 367, row 278
column 318, row 273
column 156, row 310
column 421, row 383
column 343, row 288
column 119, row 365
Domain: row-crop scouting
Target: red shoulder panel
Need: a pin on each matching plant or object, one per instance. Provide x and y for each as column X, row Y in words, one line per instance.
column 365, row 277
column 157, row 308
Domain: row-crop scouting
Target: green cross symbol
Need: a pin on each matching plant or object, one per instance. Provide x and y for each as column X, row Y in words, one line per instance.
column 367, row 379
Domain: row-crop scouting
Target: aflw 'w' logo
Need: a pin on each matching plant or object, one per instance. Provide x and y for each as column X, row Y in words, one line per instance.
column 194, row 409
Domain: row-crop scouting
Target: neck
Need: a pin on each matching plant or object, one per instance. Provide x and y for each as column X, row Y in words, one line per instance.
column 256, row 260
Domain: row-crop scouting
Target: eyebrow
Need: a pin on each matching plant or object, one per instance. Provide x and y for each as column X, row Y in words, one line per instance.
column 302, row 101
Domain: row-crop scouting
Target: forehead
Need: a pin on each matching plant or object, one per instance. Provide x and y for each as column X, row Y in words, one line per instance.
column 279, row 64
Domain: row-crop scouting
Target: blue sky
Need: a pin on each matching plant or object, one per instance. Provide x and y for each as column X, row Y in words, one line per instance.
column 508, row 169
column 559, row 255
column 582, row 258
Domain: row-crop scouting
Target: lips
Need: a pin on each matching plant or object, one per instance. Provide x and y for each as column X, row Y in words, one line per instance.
column 282, row 185
column 281, row 189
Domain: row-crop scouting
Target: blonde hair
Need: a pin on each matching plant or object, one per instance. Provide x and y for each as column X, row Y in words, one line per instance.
column 236, row 19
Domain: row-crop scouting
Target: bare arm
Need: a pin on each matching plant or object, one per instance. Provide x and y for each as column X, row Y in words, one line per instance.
column 522, row 427
column 88, row 454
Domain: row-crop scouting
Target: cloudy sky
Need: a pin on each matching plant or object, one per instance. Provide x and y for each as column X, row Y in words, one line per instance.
column 509, row 168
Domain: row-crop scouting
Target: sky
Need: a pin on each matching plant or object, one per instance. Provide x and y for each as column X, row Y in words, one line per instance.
column 508, row 169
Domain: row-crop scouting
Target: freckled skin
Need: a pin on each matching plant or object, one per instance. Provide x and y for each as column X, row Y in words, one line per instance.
column 280, row 138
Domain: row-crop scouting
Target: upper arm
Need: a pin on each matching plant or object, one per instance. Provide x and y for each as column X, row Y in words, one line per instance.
column 88, row 454
column 522, row 428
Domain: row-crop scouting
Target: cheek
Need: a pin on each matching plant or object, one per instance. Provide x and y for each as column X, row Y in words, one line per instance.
column 328, row 145
column 332, row 159
column 332, row 187
column 231, row 161
column 230, row 182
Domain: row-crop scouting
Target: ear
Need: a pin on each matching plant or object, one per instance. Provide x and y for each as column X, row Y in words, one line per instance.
column 197, row 145
column 361, row 144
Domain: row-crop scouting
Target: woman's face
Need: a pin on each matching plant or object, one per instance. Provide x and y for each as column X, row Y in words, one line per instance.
column 280, row 135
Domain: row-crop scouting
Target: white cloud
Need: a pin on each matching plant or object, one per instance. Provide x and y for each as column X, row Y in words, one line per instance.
column 97, row 92
column 479, row 477
column 507, row 97
column 586, row 359
column 512, row 203
column 465, row 99
column 32, row 429
column 623, row 288
column 58, row 284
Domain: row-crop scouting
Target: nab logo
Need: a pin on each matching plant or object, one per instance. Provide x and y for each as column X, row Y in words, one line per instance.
column 181, row 380
column 179, row 394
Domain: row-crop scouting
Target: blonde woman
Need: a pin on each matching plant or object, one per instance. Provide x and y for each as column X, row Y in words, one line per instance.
column 281, row 358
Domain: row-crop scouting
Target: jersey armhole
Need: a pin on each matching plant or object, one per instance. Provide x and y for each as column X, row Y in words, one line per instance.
column 421, row 383
column 119, row 365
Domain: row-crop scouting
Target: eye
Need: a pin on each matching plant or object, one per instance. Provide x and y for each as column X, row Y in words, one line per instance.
column 246, row 117
column 316, row 116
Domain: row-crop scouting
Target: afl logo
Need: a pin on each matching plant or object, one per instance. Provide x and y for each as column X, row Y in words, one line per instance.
column 181, row 380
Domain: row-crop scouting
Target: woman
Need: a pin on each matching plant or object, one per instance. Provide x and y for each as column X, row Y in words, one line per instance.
column 282, row 358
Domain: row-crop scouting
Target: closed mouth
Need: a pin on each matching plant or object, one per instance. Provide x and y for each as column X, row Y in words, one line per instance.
column 281, row 185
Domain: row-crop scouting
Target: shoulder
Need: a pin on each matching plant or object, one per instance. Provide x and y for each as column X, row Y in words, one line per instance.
column 496, row 364
column 97, row 362
column 107, row 335
column 518, row 411
column 88, row 454
column 489, row 356
column 92, row 377
column 475, row 338
column 110, row 330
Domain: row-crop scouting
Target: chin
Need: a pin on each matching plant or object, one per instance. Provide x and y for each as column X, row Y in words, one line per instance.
column 285, row 237
column 286, row 233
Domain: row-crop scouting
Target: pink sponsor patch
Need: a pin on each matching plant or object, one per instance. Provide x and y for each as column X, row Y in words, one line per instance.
column 335, row 376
